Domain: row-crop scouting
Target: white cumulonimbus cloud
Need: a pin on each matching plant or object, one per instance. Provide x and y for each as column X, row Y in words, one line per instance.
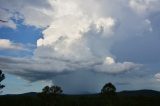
column 78, row 34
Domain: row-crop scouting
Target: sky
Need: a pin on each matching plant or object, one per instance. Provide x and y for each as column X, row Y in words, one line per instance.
column 79, row 45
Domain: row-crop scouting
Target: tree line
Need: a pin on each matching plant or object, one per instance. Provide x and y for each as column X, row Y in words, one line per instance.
column 108, row 89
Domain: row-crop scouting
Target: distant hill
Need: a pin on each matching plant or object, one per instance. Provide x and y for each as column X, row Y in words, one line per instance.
column 140, row 93
column 144, row 92
column 30, row 94
column 123, row 98
column 23, row 94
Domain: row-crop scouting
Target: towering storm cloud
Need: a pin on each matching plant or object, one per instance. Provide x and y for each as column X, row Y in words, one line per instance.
column 77, row 35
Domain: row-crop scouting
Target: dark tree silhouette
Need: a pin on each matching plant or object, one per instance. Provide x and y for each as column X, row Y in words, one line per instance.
column 52, row 90
column 109, row 89
column 46, row 90
column 2, row 77
column 56, row 90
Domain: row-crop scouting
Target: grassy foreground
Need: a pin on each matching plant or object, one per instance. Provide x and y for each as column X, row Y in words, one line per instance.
column 79, row 100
